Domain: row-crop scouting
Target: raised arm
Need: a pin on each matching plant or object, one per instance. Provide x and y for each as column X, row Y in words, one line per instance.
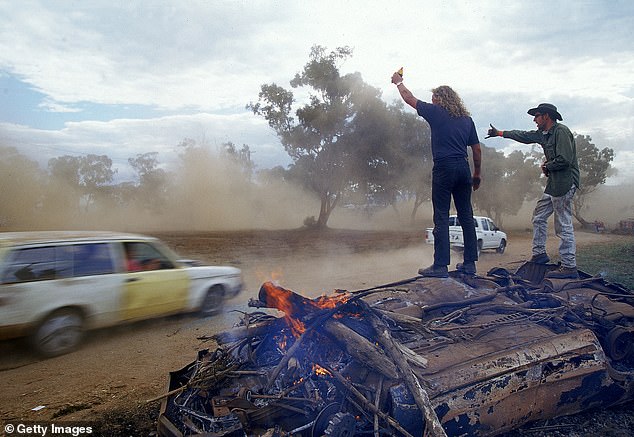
column 406, row 94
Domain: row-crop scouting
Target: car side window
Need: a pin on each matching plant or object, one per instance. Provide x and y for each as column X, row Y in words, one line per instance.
column 144, row 256
column 58, row 262
column 485, row 225
column 91, row 259
column 34, row 264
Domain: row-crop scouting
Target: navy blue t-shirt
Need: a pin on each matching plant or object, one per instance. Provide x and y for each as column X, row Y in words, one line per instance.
column 450, row 136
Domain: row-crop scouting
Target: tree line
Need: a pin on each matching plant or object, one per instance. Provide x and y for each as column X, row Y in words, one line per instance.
column 347, row 146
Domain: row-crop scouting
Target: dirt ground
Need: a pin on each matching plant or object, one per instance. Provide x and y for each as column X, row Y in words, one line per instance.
column 116, row 371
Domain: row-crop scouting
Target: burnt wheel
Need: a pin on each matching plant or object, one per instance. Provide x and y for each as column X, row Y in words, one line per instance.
column 212, row 303
column 59, row 333
column 323, row 419
column 341, row 425
column 619, row 344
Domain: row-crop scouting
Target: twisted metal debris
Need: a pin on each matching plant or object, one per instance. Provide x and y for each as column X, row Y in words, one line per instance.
column 456, row 356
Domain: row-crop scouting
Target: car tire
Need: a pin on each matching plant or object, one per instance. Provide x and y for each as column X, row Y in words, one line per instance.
column 213, row 301
column 479, row 248
column 59, row 333
column 502, row 247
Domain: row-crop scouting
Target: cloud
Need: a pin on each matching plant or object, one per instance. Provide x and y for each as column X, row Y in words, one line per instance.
column 51, row 106
column 125, row 138
column 189, row 68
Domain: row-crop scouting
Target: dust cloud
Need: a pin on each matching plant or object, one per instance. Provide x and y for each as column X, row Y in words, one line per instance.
column 208, row 191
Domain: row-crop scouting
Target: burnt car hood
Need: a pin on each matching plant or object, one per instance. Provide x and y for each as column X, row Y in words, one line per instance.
column 455, row 356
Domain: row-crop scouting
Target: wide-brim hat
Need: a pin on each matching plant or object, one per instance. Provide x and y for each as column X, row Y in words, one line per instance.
column 548, row 108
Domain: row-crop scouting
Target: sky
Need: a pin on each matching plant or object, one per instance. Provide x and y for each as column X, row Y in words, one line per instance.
column 122, row 78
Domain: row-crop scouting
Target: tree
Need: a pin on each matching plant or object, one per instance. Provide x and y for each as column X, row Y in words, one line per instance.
column 411, row 145
column 507, row 182
column 371, row 164
column 76, row 179
column 240, row 157
column 321, row 142
column 594, row 165
column 152, row 187
column 95, row 172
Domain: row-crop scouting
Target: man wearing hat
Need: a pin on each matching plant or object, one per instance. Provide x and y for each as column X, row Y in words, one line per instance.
column 562, row 170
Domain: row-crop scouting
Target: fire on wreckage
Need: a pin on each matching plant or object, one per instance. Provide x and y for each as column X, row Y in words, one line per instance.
column 456, row 356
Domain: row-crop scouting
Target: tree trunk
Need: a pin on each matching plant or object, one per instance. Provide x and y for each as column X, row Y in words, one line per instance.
column 418, row 201
column 328, row 203
column 580, row 219
column 577, row 204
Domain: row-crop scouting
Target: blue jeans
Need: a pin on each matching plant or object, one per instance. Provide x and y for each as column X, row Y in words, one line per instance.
column 452, row 177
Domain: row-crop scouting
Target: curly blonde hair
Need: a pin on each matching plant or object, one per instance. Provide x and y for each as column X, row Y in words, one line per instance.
column 447, row 98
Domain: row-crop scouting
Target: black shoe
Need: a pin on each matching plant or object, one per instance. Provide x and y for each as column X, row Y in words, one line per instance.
column 434, row 271
column 542, row 258
column 563, row 273
column 467, row 268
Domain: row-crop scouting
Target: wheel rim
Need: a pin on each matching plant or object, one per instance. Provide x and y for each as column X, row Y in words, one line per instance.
column 59, row 334
column 212, row 302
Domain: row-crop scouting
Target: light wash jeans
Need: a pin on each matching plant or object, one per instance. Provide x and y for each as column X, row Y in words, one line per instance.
column 562, row 207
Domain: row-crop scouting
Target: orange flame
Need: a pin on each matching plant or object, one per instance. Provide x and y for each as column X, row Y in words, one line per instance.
column 320, row 371
column 280, row 298
column 331, row 301
column 297, row 326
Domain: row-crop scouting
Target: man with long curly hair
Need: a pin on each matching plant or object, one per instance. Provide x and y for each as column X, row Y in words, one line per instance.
column 452, row 131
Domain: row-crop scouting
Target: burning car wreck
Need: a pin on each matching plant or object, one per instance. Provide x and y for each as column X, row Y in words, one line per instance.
column 456, row 356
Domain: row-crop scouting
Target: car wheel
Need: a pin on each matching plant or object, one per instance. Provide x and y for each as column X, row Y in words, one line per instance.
column 479, row 247
column 213, row 301
column 59, row 333
column 502, row 247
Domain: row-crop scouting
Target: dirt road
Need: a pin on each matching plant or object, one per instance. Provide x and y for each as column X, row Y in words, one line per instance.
column 117, row 370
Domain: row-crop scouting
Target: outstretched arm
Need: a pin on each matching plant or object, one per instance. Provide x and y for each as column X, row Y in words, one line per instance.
column 406, row 94
column 521, row 136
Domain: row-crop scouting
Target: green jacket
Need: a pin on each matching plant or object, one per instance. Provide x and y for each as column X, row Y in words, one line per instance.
column 561, row 156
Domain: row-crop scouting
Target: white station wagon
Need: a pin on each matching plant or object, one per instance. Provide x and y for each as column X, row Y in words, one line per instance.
column 55, row 285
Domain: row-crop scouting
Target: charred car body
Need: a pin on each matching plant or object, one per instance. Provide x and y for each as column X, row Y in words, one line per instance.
column 455, row 356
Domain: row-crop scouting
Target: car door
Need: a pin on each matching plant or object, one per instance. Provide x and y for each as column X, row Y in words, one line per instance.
column 496, row 236
column 487, row 234
column 156, row 287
